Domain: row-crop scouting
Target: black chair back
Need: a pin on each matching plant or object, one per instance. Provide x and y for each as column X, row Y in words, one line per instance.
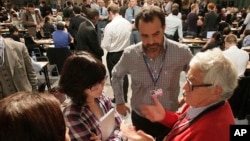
column 240, row 101
column 58, row 56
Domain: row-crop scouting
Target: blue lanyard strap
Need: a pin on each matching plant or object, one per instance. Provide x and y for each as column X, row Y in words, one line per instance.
column 150, row 70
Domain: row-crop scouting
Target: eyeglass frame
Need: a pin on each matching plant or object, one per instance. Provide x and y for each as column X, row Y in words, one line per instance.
column 191, row 86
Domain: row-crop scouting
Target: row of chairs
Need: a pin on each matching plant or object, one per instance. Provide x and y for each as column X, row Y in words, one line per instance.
column 55, row 56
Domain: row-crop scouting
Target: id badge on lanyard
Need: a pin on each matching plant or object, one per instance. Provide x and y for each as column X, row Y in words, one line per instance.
column 156, row 91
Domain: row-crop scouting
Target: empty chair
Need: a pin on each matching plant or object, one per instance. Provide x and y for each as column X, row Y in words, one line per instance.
column 58, row 56
column 52, row 68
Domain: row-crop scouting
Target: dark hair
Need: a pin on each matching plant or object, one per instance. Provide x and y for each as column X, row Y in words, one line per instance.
column 46, row 19
column 92, row 13
column 80, row 71
column 226, row 30
column 30, row 5
column 175, row 11
column 217, row 36
column 60, row 26
column 69, row 3
column 148, row 14
column 77, row 9
column 31, row 117
column 12, row 29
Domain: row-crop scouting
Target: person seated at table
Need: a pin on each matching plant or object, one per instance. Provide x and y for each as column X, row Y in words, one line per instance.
column 48, row 27
column 14, row 33
column 223, row 24
column 31, row 44
column 213, row 42
column 61, row 37
column 237, row 56
column 207, row 115
column 82, row 79
column 32, row 117
column 246, row 40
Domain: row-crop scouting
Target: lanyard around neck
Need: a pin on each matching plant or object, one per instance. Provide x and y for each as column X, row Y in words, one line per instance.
column 150, row 70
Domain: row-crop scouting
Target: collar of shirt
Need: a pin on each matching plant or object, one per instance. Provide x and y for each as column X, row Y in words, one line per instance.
column 194, row 112
column 233, row 47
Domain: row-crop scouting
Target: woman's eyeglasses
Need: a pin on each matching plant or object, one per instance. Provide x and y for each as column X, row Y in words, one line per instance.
column 191, row 86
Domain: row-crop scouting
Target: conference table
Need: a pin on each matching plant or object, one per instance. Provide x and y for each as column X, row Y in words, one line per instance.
column 6, row 30
column 195, row 44
column 194, row 41
column 44, row 41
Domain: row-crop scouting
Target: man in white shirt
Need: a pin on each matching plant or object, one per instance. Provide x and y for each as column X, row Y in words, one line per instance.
column 237, row 56
column 116, row 39
column 173, row 24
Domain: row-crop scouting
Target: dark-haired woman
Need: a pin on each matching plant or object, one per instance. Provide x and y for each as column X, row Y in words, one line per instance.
column 213, row 42
column 82, row 79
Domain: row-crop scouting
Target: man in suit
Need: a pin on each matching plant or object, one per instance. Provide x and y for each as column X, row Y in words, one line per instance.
column 87, row 38
column 32, row 20
column 16, row 71
column 210, row 22
column 75, row 22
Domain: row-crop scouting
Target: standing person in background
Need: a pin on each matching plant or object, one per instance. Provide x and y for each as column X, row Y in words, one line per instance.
column 123, row 8
column 75, row 22
column 48, row 27
column 247, row 19
column 192, row 21
column 210, row 20
column 116, row 38
column 61, row 37
column 207, row 115
column 167, row 6
column 174, row 24
column 103, row 19
column 16, row 70
column 82, row 79
column 44, row 8
column 155, row 65
column 87, row 38
column 130, row 15
column 238, row 57
column 68, row 11
column 32, row 20
column 32, row 117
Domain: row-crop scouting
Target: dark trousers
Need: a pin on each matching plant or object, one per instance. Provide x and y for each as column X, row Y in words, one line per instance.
column 157, row 130
column 112, row 58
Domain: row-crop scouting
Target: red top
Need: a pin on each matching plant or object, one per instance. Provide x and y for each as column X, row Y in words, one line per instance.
column 212, row 126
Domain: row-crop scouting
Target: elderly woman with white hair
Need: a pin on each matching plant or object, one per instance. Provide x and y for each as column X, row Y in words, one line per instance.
column 207, row 115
